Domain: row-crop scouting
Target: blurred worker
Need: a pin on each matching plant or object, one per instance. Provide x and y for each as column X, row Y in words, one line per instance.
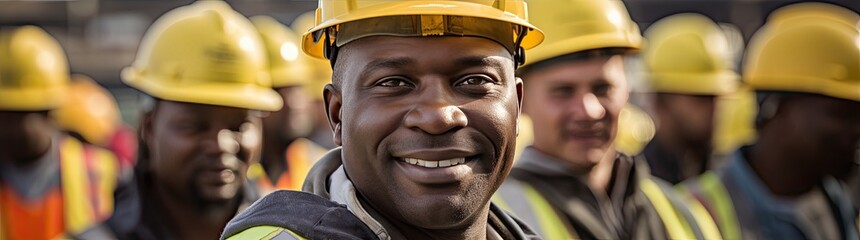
column 426, row 116
column 203, row 72
column 51, row 185
column 804, row 65
column 571, row 183
column 91, row 114
column 689, row 65
column 286, row 156
column 318, row 78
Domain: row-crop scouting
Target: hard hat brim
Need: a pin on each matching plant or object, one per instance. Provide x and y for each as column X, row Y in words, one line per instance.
column 717, row 83
column 848, row 89
column 32, row 99
column 448, row 8
column 578, row 44
column 248, row 96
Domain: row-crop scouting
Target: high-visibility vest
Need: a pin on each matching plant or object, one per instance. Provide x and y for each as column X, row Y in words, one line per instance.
column 88, row 177
column 681, row 219
column 300, row 157
column 722, row 209
column 266, row 233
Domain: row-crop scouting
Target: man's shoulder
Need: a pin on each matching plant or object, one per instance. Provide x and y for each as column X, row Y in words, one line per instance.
column 297, row 214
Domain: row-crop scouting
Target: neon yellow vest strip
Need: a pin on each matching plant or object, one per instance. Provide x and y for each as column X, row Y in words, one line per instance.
column 80, row 212
column 264, row 233
column 719, row 198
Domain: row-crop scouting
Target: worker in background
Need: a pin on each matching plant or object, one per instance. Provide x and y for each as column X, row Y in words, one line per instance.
column 426, row 116
column 91, row 115
column 319, row 77
column 203, row 73
column 287, row 155
column 51, row 185
column 804, row 65
column 688, row 62
column 572, row 183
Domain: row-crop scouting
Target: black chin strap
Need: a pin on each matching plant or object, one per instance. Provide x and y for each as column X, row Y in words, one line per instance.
column 330, row 48
column 520, row 52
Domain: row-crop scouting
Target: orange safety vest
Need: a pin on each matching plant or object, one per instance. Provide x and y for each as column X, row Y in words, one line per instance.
column 300, row 157
column 88, row 177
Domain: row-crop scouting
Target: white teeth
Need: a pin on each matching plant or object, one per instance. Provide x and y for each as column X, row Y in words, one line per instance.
column 435, row 164
column 445, row 163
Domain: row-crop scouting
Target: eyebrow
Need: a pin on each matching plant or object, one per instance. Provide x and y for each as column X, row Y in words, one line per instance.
column 478, row 61
column 481, row 61
column 400, row 62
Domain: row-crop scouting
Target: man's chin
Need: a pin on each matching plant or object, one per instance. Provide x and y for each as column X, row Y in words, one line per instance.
column 213, row 195
column 441, row 216
column 585, row 159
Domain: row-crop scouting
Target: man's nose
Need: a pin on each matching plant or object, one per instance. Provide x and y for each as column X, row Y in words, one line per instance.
column 436, row 112
column 587, row 108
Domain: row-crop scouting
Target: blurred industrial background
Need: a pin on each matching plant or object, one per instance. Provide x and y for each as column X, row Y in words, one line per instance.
column 101, row 36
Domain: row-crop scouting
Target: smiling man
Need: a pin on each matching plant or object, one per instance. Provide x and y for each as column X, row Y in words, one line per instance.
column 424, row 103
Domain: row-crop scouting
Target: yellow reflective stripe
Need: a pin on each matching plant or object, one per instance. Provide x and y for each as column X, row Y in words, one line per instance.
column 550, row 223
column 107, row 167
column 262, row 233
column 703, row 219
column 76, row 205
column 676, row 228
column 719, row 199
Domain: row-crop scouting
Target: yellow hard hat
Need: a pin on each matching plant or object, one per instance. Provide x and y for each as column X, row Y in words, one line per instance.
column 356, row 19
column 635, row 130
column 89, row 110
column 578, row 25
column 809, row 48
column 321, row 68
column 204, row 53
column 286, row 60
column 689, row 54
column 34, row 71
column 735, row 120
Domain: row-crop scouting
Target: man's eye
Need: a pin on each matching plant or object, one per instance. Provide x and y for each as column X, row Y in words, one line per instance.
column 602, row 89
column 392, row 82
column 475, row 80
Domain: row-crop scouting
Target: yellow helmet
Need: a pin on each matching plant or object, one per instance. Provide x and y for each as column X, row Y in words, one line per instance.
column 322, row 71
column 735, row 120
column 34, row 71
column 355, row 19
column 807, row 47
column 577, row 25
column 286, row 60
column 635, row 130
column 204, row 53
column 689, row 54
column 89, row 110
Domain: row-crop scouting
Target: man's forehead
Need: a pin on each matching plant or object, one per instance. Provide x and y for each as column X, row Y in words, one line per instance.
column 597, row 70
column 203, row 110
column 451, row 48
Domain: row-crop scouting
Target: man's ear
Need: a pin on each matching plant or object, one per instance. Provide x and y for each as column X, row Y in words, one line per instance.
column 520, row 96
column 146, row 119
column 333, row 103
column 146, row 138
